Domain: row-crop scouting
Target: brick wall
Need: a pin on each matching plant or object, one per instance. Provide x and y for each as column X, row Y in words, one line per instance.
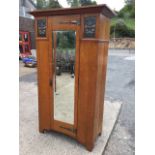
column 26, row 24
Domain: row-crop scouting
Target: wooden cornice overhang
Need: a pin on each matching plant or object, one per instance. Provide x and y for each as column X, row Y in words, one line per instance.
column 104, row 9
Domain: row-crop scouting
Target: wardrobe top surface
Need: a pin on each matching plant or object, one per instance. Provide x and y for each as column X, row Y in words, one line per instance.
column 101, row 9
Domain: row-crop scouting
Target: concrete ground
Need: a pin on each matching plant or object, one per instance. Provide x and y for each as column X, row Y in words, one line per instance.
column 119, row 88
column 50, row 143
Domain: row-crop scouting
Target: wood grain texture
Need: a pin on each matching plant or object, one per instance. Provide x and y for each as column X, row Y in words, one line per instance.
column 104, row 27
column 101, row 73
column 87, row 83
column 100, row 87
column 43, row 84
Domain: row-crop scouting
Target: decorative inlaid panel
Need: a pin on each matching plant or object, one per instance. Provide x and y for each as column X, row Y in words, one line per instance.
column 90, row 27
column 41, row 27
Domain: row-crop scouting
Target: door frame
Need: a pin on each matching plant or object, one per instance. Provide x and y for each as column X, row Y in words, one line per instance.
column 56, row 125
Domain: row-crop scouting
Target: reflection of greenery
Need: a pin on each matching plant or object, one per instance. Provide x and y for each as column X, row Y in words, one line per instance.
column 65, row 54
column 66, row 40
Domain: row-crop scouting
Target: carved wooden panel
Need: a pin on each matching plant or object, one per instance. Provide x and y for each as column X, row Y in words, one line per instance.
column 89, row 27
column 41, row 27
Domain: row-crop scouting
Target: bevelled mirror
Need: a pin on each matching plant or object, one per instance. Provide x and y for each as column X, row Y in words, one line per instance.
column 64, row 68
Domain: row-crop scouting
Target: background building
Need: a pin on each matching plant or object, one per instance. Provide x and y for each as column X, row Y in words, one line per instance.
column 26, row 21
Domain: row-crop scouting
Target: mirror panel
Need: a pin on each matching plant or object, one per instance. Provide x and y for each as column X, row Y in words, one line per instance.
column 64, row 79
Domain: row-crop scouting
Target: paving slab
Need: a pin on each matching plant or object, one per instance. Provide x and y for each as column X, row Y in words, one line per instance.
column 51, row 143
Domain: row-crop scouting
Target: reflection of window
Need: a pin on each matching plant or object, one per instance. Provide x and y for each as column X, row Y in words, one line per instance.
column 20, row 37
column 25, row 37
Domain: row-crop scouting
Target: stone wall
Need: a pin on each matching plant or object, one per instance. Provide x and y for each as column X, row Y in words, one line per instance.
column 122, row 43
column 27, row 24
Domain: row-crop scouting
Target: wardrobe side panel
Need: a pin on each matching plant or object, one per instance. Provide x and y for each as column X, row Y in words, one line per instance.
column 43, row 84
column 100, row 88
column 101, row 73
column 87, row 91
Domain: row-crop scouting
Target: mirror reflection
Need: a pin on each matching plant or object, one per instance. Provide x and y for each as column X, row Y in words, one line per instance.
column 63, row 43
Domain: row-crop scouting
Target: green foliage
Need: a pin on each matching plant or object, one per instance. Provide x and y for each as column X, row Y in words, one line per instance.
column 77, row 3
column 129, row 22
column 119, row 29
column 128, row 11
column 53, row 4
column 43, row 4
column 40, row 4
column 130, row 2
column 124, row 24
column 87, row 2
column 73, row 3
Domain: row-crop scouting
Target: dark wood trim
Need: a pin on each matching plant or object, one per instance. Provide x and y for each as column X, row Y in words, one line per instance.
column 79, row 10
